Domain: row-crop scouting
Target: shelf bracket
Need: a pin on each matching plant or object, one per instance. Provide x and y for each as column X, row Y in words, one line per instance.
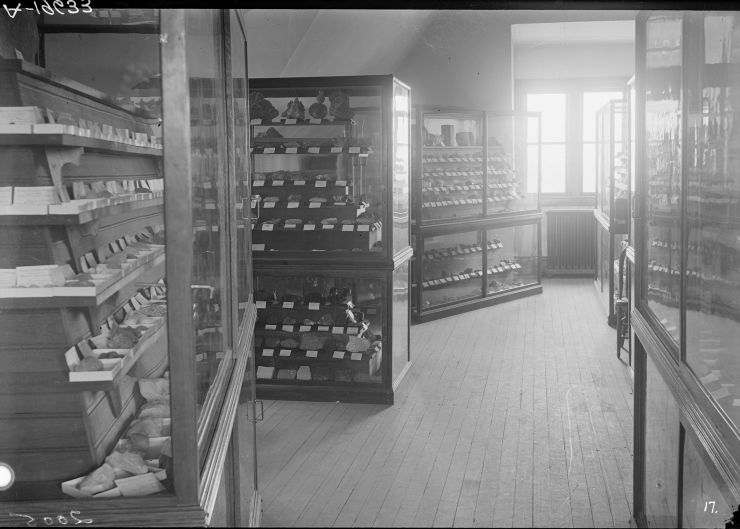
column 56, row 159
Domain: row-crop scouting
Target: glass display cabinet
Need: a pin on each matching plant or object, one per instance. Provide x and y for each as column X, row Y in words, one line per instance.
column 613, row 192
column 330, row 232
column 687, row 315
column 475, row 180
column 127, row 378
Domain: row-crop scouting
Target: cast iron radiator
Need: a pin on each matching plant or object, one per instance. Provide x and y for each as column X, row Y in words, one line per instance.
column 571, row 243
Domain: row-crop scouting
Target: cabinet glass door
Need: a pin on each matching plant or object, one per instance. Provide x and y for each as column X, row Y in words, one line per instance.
column 452, row 166
column 713, row 210
column 663, row 168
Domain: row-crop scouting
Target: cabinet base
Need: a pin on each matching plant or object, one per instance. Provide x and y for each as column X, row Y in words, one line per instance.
column 468, row 305
column 358, row 394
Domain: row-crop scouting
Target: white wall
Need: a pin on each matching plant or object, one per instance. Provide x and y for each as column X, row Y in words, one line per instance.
column 462, row 59
column 564, row 61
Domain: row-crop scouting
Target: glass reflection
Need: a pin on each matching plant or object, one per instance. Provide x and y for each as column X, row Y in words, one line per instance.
column 663, row 165
column 713, row 214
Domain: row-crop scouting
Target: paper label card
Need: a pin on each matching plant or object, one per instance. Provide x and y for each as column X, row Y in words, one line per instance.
column 356, row 356
column 323, row 328
column 354, row 150
column 348, row 227
column 304, row 328
column 299, row 182
column 320, row 183
column 290, row 121
column 309, row 227
column 340, row 183
column 339, row 355
column 258, row 183
column 314, row 306
column 267, row 227
column 291, row 150
column 260, row 304
column 314, row 150
column 285, row 352
column 268, row 352
column 315, row 121
column 337, row 330
column 312, row 354
column 270, row 326
column 288, row 328
column 336, row 149
column 288, row 304
column 314, row 205
column 352, row 330
column 269, row 150
column 6, row 195
column 278, row 183
column 255, row 122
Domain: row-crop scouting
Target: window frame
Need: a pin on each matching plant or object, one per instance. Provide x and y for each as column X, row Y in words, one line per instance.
column 573, row 89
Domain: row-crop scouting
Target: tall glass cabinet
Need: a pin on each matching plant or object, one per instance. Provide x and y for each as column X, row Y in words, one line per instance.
column 687, row 318
column 475, row 210
column 127, row 378
column 613, row 193
column 330, row 227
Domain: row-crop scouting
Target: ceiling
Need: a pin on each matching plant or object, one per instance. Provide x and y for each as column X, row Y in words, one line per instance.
column 328, row 42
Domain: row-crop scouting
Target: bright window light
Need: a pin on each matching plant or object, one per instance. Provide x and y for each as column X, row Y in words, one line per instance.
column 552, row 110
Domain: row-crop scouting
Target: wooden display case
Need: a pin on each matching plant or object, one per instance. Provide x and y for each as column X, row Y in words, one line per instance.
column 686, row 319
column 118, row 319
column 472, row 183
column 330, row 231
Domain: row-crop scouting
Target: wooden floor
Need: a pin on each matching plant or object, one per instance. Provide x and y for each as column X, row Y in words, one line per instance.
column 517, row 415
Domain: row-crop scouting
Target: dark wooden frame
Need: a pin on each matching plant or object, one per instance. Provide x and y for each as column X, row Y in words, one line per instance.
column 701, row 417
column 195, row 485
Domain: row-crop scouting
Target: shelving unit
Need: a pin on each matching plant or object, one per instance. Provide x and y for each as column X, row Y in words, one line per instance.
column 127, row 363
column 330, row 236
column 471, row 194
column 68, row 234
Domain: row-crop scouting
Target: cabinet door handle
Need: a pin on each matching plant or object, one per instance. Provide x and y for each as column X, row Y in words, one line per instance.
column 252, row 415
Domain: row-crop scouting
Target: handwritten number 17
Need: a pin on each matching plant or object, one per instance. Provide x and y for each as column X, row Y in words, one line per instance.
column 706, row 504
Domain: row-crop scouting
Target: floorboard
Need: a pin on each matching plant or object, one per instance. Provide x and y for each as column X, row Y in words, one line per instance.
column 516, row 415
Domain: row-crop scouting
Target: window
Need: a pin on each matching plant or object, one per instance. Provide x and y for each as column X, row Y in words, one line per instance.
column 568, row 110
column 552, row 109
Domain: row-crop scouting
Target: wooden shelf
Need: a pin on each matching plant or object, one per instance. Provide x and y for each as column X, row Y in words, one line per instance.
column 72, row 140
column 308, row 213
column 148, row 271
column 276, row 185
column 319, row 151
column 456, row 252
column 148, row 340
column 283, row 122
column 143, row 207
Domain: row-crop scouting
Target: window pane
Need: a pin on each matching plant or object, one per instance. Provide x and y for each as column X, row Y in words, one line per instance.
column 553, row 168
column 589, row 167
column 592, row 102
column 552, row 107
